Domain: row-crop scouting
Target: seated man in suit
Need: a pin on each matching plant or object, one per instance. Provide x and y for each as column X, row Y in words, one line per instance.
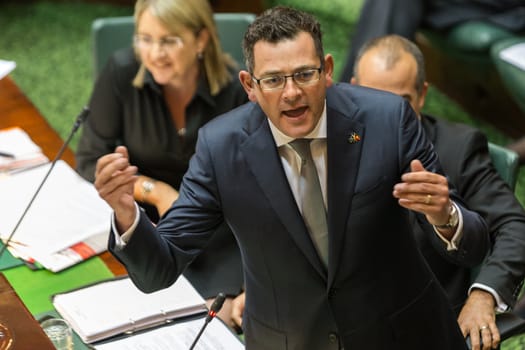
column 316, row 181
column 395, row 64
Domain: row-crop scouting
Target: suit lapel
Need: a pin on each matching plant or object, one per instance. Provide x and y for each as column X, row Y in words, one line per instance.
column 345, row 138
column 263, row 159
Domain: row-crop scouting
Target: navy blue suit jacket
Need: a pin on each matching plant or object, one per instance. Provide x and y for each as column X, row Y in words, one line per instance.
column 377, row 293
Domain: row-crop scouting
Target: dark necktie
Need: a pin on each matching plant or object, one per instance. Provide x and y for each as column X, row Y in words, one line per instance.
column 311, row 197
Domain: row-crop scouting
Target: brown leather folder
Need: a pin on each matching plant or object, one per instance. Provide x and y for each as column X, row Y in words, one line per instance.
column 19, row 324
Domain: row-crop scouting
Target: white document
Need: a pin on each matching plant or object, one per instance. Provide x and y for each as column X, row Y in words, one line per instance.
column 515, row 55
column 66, row 211
column 216, row 336
column 25, row 152
column 117, row 306
column 6, row 67
column 64, row 258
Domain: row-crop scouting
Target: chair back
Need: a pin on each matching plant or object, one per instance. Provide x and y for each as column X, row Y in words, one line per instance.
column 506, row 163
column 110, row 34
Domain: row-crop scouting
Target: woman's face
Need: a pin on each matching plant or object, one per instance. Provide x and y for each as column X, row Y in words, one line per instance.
column 171, row 58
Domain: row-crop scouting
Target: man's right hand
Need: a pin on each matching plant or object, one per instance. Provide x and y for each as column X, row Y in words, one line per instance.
column 114, row 181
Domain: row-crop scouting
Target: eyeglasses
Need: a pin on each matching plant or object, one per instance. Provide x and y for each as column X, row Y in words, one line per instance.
column 301, row 78
column 168, row 43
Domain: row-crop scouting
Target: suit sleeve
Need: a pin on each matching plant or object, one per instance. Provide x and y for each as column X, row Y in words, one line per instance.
column 415, row 145
column 155, row 256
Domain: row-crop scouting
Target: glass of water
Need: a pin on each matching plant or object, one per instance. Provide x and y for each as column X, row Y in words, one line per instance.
column 59, row 332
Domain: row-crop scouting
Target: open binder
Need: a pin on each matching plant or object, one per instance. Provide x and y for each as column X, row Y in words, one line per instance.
column 117, row 307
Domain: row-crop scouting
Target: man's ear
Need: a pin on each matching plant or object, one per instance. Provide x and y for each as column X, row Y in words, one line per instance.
column 248, row 84
column 329, row 69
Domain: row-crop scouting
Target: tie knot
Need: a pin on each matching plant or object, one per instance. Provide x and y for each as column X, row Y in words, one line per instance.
column 302, row 147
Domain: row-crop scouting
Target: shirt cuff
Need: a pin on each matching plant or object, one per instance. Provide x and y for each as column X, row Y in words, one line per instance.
column 454, row 242
column 501, row 306
column 123, row 239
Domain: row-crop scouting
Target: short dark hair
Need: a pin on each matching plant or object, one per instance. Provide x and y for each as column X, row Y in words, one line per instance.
column 391, row 47
column 277, row 24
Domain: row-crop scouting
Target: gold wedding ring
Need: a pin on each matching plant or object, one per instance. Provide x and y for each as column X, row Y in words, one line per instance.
column 428, row 199
column 483, row 327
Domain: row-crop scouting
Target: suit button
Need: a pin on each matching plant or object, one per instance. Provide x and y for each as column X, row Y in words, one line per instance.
column 332, row 338
column 332, row 292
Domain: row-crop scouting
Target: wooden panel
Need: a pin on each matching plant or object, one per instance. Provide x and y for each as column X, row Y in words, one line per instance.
column 21, row 328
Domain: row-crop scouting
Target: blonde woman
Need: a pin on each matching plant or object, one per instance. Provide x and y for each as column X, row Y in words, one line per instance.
column 153, row 98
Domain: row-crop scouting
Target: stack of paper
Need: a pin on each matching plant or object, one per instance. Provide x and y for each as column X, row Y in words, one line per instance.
column 66, row 223
column 18, row 151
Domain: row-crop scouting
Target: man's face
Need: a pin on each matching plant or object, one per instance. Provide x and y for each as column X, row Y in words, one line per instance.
column 399, row 79
column 295, row 109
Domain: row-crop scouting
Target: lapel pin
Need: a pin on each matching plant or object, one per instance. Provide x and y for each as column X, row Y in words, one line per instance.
column 354, row 138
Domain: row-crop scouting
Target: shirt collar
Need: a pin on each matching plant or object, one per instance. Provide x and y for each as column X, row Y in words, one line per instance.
column 319, row 132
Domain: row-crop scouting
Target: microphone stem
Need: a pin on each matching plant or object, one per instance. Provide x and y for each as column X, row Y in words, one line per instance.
column 199, row 335
column 214, row 309
column 83, row 114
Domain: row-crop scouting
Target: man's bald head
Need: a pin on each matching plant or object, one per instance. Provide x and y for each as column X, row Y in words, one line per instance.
column 394, row 64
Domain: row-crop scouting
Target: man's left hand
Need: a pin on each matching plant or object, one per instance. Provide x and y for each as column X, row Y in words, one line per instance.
column 477, row 319
column 425, row 192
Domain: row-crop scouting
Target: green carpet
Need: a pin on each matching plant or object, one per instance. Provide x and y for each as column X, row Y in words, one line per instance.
column 51, row 45
column 35, row 288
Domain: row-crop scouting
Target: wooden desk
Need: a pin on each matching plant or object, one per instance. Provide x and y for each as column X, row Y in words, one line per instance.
column 17, row 110
column 21, row 329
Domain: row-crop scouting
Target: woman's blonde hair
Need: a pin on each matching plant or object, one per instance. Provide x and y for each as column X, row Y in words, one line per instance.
column 194, row 15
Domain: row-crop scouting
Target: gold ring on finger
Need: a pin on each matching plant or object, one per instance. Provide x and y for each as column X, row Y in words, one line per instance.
column 428, row 199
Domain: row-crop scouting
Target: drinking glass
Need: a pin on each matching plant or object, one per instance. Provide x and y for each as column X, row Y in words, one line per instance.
column 59, row 332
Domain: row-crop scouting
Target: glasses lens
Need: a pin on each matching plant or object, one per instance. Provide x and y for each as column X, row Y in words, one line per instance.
column 171, row 43
column 271, row 83
column 306, row 76
column 168, row 43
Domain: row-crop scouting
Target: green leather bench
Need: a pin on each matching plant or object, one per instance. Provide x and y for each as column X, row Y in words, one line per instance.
column 464, row 63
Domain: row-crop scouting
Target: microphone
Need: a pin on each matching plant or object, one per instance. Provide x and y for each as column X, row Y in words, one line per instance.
column 80, row 119
column 215, row 307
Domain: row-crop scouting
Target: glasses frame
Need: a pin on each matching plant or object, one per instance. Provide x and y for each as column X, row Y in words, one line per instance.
column 146, row 42
column 293, row 75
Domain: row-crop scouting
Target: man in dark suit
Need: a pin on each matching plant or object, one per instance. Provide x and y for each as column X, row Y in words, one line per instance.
column 395, row 64
column 356, row 281
column 404, row 17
